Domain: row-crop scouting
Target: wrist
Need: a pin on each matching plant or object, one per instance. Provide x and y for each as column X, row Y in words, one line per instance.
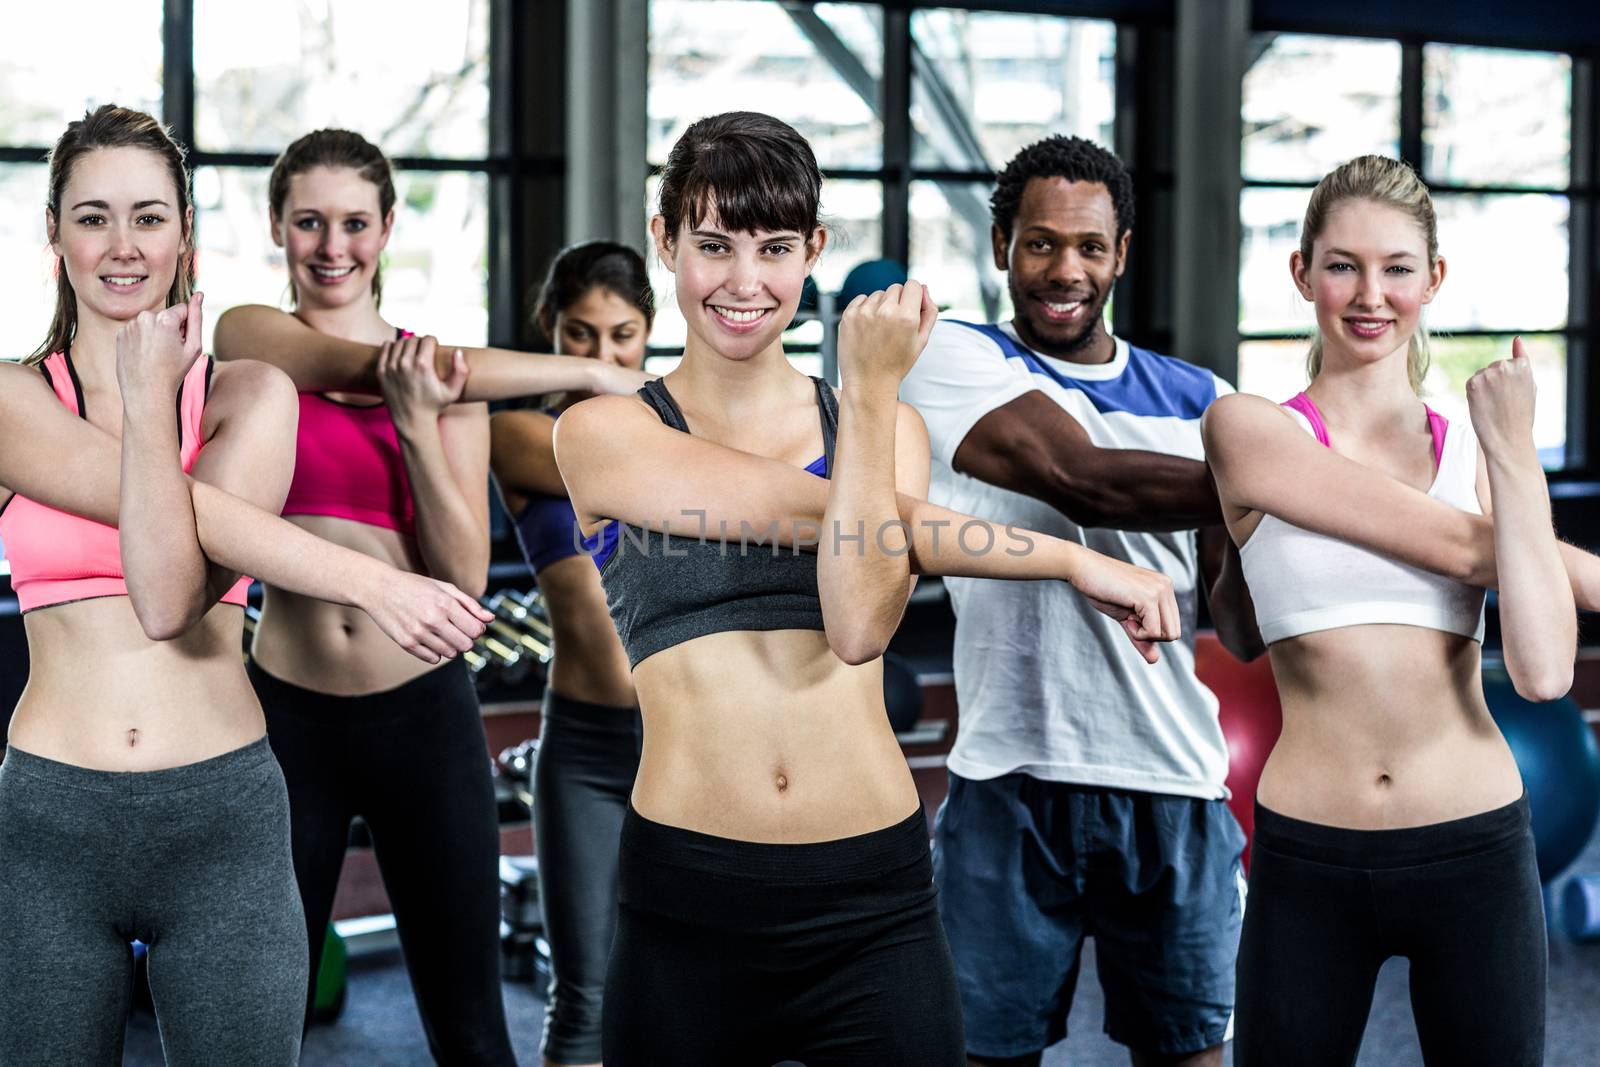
column 366, row 581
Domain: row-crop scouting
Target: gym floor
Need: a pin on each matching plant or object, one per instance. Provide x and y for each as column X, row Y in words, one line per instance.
column 380, row 1028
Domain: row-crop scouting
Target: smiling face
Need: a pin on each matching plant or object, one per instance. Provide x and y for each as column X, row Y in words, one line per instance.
column 1062, row 258
column 1369, row 278
column 332, row 231
column 601, row 325
column 737, row 291
column 120, row 233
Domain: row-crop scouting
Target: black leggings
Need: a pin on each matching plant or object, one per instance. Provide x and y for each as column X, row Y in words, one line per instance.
column 1327, row 906
column 733, row 953
column 588, row 757
column 414, row 764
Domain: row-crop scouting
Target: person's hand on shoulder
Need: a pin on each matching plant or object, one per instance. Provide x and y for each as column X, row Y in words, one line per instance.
column 412, row 387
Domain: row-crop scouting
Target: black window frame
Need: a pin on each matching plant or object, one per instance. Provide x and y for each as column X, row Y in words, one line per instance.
column 1582, row 329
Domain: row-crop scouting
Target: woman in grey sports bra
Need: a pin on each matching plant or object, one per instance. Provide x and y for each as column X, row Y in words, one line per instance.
column 775, row 889
column 1391, row 819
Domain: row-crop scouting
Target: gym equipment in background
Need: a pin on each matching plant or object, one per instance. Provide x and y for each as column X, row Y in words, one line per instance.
column 332, row 978
column 902, row 695
column 1251, row 718
column 1560, row 764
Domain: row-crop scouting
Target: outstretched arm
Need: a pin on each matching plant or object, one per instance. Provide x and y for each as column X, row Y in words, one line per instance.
column 319, row 363
column 1031, row 446
column 1264, row 462
column 620, row 462
column 66, row 463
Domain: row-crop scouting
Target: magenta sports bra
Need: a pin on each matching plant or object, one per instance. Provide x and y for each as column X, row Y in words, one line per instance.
column 57, row 557
column 347, row 465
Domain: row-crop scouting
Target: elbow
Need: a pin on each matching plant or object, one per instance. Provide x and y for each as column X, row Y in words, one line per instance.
column 856, row 649
column 856, row 641
column 1546, row 683
column 163, row 622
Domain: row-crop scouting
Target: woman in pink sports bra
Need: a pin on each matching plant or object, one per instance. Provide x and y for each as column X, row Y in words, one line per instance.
column 138, row 797
column 359, row 730
column 1391, row 818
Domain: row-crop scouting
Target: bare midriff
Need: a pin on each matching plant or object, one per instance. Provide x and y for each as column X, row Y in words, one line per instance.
column 102, row 695
column 331, row 648
column 768, row 736
column 1384, row 727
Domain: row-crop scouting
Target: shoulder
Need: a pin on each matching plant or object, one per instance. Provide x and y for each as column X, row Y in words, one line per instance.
column 1191, row 385
column 250, row 389
column 237, row 323
column 603, row 422
column 23, row 384
column 251, row 379
column 955, row 339
column 1244, row 418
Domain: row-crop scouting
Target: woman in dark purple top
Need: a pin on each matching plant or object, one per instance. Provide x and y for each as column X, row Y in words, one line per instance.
column 597, row 304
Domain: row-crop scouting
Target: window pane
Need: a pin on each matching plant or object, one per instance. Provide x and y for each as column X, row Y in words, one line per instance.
column 951, row 252
column 1269, row 230
column 1479, row 237
column 710, row 56
column 434, row 270
column 852, row 211
column 1273, row 369
column 267, row 73
column 1277, row 371
column 51, row 74
column 1496, row 117
column 987, row 84
column 1310, row 103
column 27, row 266
column 1455, row 359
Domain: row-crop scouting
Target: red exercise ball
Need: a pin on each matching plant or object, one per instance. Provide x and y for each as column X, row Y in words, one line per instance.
column 1251, row 720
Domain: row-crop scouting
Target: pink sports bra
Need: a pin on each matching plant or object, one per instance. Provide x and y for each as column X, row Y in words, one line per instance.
column 57, row 557
column 347, row 465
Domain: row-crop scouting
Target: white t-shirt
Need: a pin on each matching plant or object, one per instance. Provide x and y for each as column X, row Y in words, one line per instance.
column 1045, row 684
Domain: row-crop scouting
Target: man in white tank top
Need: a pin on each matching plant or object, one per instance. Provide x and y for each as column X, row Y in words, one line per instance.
column 1086, row 786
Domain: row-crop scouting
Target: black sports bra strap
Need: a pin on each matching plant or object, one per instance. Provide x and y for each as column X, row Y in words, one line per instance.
column 828, row 409
column 655, row 394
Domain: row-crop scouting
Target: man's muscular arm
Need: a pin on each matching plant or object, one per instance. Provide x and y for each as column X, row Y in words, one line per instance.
column 1031, row 446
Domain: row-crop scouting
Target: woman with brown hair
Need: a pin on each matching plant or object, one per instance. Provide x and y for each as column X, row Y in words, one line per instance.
column 139, row 798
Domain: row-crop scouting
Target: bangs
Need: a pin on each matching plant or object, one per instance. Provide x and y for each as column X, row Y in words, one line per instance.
column 750, row 183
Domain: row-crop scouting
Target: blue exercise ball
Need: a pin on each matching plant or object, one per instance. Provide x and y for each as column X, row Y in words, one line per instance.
column 870, row 277
column 1560, row 764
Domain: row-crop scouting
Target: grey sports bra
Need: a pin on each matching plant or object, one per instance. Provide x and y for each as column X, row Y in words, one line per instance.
column 663, row 589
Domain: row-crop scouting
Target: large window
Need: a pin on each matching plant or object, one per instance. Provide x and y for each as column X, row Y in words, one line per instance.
column 909, row 167
column 1491, row 130
column 249, row 81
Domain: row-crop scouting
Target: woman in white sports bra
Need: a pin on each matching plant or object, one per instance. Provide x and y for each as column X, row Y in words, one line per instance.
column 1391, row 819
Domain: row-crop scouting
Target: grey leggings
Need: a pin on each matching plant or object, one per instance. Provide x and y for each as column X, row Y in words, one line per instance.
column 194, row 861
column 583, row 776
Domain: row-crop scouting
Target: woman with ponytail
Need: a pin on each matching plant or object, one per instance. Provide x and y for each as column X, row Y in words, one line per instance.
column 139, row 798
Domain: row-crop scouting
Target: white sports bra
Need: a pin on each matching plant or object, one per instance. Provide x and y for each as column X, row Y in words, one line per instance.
column 1303, row 582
